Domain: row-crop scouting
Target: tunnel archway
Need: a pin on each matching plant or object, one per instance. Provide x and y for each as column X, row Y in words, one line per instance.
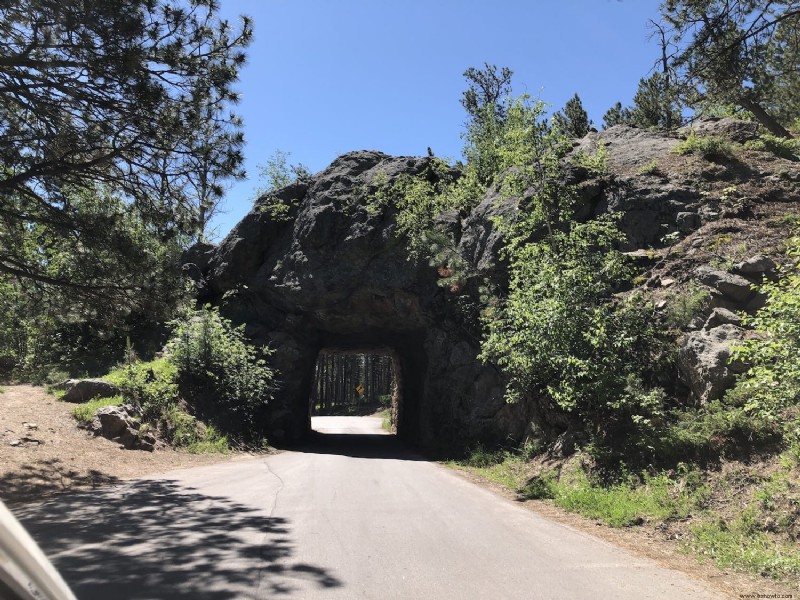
column 320, row 264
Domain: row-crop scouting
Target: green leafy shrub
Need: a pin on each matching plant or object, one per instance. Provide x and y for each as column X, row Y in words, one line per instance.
column 686, row 305
column 649, row 168
column 220, row 372
column 561, row 334
column 788, row 148
column 770, row 390
column 708, row 147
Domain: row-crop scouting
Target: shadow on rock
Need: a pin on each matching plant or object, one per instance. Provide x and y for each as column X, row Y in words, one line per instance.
column 46, row 478
column 159, row 539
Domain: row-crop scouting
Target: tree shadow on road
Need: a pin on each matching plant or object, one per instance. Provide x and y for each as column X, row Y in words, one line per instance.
column 159, row 539
column 46, row 478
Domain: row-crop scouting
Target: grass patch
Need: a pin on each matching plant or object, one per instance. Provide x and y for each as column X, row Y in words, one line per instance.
column 762, row 537
column 84, row 413
column 734, row 545
column 631, row 502
column 509, row 469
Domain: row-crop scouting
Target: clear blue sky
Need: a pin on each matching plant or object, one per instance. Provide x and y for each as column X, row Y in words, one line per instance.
column 325, row 77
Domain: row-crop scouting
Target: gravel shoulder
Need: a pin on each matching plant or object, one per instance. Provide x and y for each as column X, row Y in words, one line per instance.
column 43, row 452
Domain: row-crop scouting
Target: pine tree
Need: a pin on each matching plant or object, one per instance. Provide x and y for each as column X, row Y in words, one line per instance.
column 573, row 120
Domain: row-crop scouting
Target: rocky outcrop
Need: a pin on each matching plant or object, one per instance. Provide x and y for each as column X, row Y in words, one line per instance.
column 704, row 362
column 320, row 265
column 83, row 390
column 727, row 128
column 331, row 272
column 118, row 423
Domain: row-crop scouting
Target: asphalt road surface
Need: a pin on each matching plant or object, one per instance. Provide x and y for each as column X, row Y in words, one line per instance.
column 350, row 516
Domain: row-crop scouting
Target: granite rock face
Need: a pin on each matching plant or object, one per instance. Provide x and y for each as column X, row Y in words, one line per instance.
column 320, row 265
column 332, row 273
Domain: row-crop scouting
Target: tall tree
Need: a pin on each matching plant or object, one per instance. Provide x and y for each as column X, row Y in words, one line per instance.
column 655, row 104
column 108, row 94
column 725, row 47
column 616, row 115
column 573, row 119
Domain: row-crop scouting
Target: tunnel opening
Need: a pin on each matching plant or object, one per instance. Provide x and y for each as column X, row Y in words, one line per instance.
column 355, row 391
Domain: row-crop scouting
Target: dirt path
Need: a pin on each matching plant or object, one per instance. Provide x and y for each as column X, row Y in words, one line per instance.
column 43, row 452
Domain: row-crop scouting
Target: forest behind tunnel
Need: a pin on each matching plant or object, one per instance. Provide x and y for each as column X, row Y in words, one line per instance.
column 354, row 383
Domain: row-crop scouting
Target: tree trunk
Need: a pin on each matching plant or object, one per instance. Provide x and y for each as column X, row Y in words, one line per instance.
column 763, row 117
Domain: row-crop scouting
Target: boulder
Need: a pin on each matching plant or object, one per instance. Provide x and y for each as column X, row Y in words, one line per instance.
column 731, row 286
column 117, row 423
column 703, row 362
column 755, row 267
column 722, row 316
column 83, row 390
column 112, row 421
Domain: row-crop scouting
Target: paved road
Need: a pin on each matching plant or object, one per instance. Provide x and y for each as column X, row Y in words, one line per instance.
column 353, row 516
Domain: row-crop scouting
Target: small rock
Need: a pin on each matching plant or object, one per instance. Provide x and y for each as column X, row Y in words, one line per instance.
column 687, row 221
column 667, row 282
column 31, row 426
column 15, row 442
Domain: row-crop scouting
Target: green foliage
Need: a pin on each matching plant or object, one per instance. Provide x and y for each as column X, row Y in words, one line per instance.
column 42, row 327
column 709, row 147
column 277, row 173
column 715, row 430
column 657, row 497
column 781, row 147
column 739, row 545
column 220, row 372
column 153, row 388
column 741, row 53
column 656, row 105
column 561, row 334
column 420, row 200
column 84, row 413
column 759, row 539
column 686, row 305
column 616, row 115
column 649, row 168
column 150, row 121
column 772, row 385
column 573, row 120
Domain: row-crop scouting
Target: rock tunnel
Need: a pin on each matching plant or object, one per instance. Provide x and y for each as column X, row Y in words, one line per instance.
column 319, row 265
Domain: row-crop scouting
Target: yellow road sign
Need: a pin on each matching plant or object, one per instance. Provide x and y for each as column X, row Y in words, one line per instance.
column 359, row 389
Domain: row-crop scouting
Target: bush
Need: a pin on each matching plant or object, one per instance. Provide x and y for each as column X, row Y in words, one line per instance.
column 222, row 375
column 781, row 147
column 770, row 390
column 709, row 147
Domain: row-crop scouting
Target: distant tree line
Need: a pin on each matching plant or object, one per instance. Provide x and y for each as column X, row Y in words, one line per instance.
column 346, row 383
